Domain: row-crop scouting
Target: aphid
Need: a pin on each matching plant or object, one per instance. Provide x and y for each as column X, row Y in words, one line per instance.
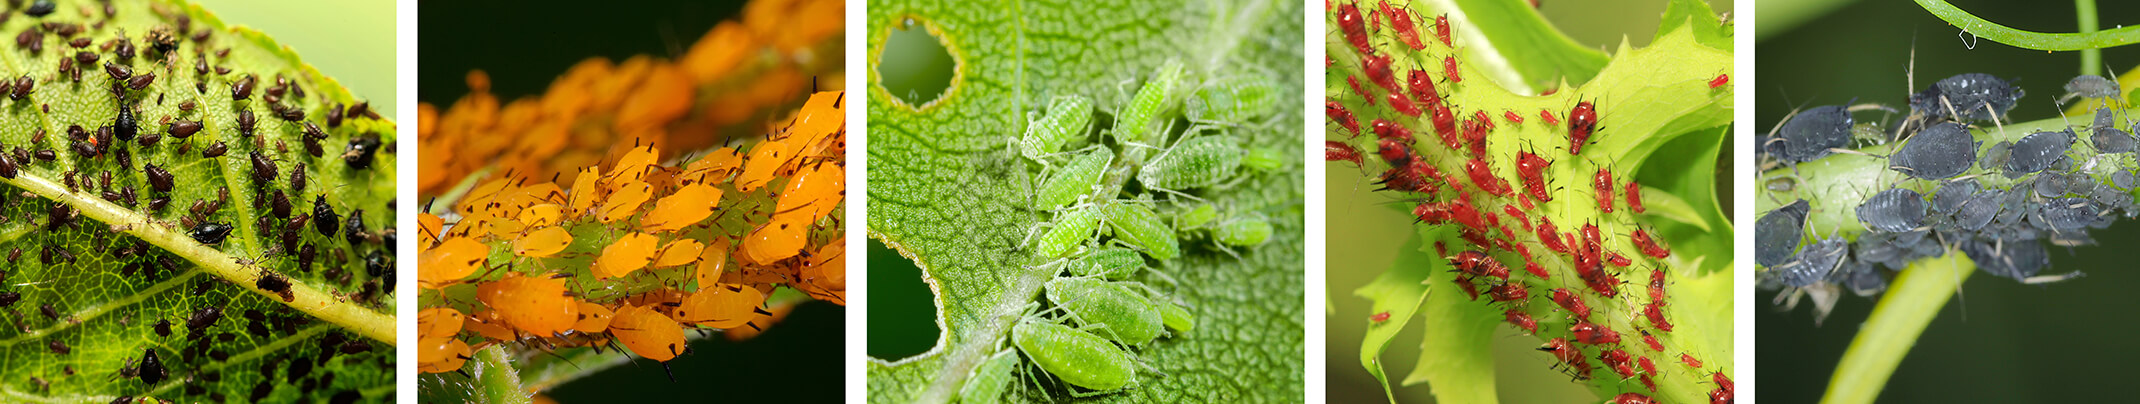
column 1567, row 354
column 201, row 319
column 242, row 89
column 1778, row 232
column 1441, row 29
column 1602, row 182
column 361, row 150
column 1582, row 122
column 1075, row 179
column 1379, row 318
column 1077, row 357
column 356, row 233
column 22, row 86
column 1649, row 246
column 628, row 254
column 1655, row 311
column 58, row 347
column 1512, row 117
column 1529, row 168
column 2108, row 138
column 1343, row 117
column 1690, row 361
column 214, row 150
column 450, row 261
column 1966, row 97
column 536, row 305
column 1423, row 88
column 1508, row 292
column 1449, row 69
column 1893, row 210
column 1193, row 163
column 142, row 81
column 626, row 201
column 151, row 370
column 2038, row 151
column 210, row 233
column 649, row 334
column 1477, row 263
column 279, row 205
column 1354, row 27
column 1404, row 105
column 40, row 8
column 8, row 170
column 246, row 121
column 1243, row 232
column 9, row 298
column 1521, row 320
column 323, row 217
column 275, row 283
column 1134, row 122
column 1112, row 310
column 1619, row 361
column 1632, row 398
column 1365, row 96
column 1483, row 176
column 263, row 168
column 159, row 179
column 988, row 382
column 1140, row 227
column 1379, row 71
column 1938, row 152
column 722, row 306
column 1589, row 333
column 1233, row 100
column 1569, row 301
column 1339, row 151
column 1634, row 197
column 297, row 179
column 182, row 128
column 1651, row 340
column 1719, row 81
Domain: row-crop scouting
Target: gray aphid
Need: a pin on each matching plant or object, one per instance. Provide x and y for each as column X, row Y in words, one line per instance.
column 1939, row 152
column 1809, row 135
column 2037, row 151
column 1893, row 210
column 1777, row 233
column 2124, row 179
column 2016, row 260
column 1978, row 211
column 1813, row 265
column 2108, row 138
column 1970, row 94
column 2090, row 86
column 1865, row 280
column 2068, row 214
column 1952, row 194
column 1996, row 155
column 2109, row 196
column 2050, row 185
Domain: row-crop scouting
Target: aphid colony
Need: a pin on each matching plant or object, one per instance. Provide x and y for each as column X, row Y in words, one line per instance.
column 1998, row 202
column 738, row 74
column 1529, row 193
column 1132, row 192
column 128, row 120
column 636, row 252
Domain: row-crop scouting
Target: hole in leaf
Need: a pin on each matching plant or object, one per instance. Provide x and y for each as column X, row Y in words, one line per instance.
column 902, row 309
column 914, row 65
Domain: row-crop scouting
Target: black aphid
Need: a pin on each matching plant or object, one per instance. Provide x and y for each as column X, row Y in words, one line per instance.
column 334, row 115
column 58, row 347
column 142, row 82
column 1939, row 152
column 47, row 155
column 9, row 298
column 1893, row 210
column 159, row 179
column 2050, row 185
column 274, row 283
column 40, row 8
column 117, row 71
column 1951, row 195
column 201, row 319
column 356, row 232
column 381, row 268
column 263, row 168
column 297, row 178
column 7, row 167
column 246, row 121
column 279, row 205
column 48, row 311
column 2037, row 151
column 242, row 89
column 85, row 58
column 323, row 217
column 1778, row 232
column 183, row 128
column 22, row 87
column 305, row 255
column 289, row 112
column 360, row 151
column 1973, row 96
column 210, row 233
column 2019, row 260
column 2108, row 138
column 215, row 150
column 59, row 215
column 163, row 328
column 2068, row 214
column 151, row 370
column 1809, row 135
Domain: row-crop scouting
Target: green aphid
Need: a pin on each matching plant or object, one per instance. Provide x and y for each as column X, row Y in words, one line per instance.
column 1134, row 123
column 1141, row 228
column 1233, row 101
column 1068, row 118
column 1113, row 263
column 1263, row 159
column 1075, row 179
column 1198, row 161
column 1244, row 232
column 1108, row 309
column 987, row 382
column 1077, row 357
column 1174, row 315
column 1196, row 217
column 1071, row 228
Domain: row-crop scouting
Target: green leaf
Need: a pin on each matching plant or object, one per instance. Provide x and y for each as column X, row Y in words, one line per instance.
column 946, row 192
column 1399, row 292
column 1516, row 39
column 1452, row 356
column 133, row 267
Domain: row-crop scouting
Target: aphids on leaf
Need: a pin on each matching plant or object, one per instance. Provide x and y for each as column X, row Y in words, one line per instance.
column 1243, row 232
column 1569, row 301
column 1142, row 228
column 1477, row 263
column 1449, row 69
column 1441, row 29
column 202, row 318
column 246, row 121
column 536, row 305
column 1386, row 130
column 1401, row 21
column 1589, row 333
column 215, row 150
column 1343, row 117
column 142, row 81
column 1655, row 311
column 1894, row 210
column 1649, row 246
column 987, row 382
column 323, row 217
column 1339, row 151
column 356, row 232
column 1233, row 101
column 210, row 233
column 58, row 347
column 9, row 298
column 442, row 354
column 1365, row 96
column 1355, row 28
column 1422, row 86
column 649, row 334
column 1077, row 357
column 276, row 284
column 1632, row 398
column 1651, row 340
column 1113, row 311
column 1194, row 162
column 1075, row 179
column 1966, row 97
column 159, row 179
column 1483, row 176
column 1381, row 73
column 678, row 252
column 1530, row 169
column 1404, row 105
column 361, row 150
column 1134, row 121
column 1582, row 123
column 1602, row 183
column 117, row 71
column 151, row 370
column 1568, row 355
column 1070, row 229
column 279, row 205
column 7, row 167
column 450, row 261
column 1512, row 117
column 1379, row 318
column 628, row 254
column 1521, row 320
column 1445, row 125
column 21, row 87
column 264, row 169
column 242, row 89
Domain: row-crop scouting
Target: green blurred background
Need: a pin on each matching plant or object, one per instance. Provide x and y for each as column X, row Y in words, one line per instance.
column 351, row 41
column 1366, row 229
column 523, row 45
column 2003, row 341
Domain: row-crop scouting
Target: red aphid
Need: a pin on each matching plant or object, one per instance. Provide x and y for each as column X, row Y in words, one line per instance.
column 1647, row 366
column 1386, row 130
column 1477, row 263
column 1365, row 96
column 1469, row 289
column 1649, row 246
column 1339, row 151
column 1618, row 260
column 1531, row 169
column 1407, row 179
column 1441, row 248
column 1458, row 211
column 1601, row 281
column 1634, row 198
column 1721, row 396
column 1483, row 118
column 1517, row 214
column 1651, row 340
column 1657, row 285
column 1355, row 27
column 1572, row 303
column 1534, row 269
column 1404, row 105
column 1561, row 350
column 1396, row 152
column 1378, row 70
column 1509, row 292
column 1603, row 183
column 1619, row 361
column 1378, row 318
column 1441, row 29
column 1475, row 135
column 1550, row 235
column 1449, row 69
column 1402, row 22
column 1527, row 204
column 1343, row 117
column 1524, row 250
column 1548, row 116
column 1522, row 320
column 1655, row 312
column 1722, row 381
column 1423, row 89
column 1483, row 177
column 1513, row 118
column 1651, row 384
column 1581, row 122
column 1591, row 237
column 1594, row 334
column 1690, row 361
column 1719, row 81
column 1445, row 125
column 1633, row 398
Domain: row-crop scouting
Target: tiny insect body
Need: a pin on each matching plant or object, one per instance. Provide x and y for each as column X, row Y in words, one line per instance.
column 1068, row 117
column 1077, row 357
column 1109, row 308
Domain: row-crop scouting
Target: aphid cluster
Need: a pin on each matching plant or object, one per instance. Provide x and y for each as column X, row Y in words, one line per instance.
column 2002, row 203
column 667, row 247
column 1131, row 195
column 1506, row 184
column 107, row 105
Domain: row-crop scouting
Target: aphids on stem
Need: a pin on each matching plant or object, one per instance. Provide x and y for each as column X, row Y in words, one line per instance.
column 1423, row 89
column 1530, row 169
column 1365, row 96
column 1582, row 123
column 1449, row 69
column 1441, row 29
column 1332, row 151
column 1521, row 320
column 1343, row 117
column 1355, row 28
column 1602, row 182
column 1655, row 311
column 1379, row 318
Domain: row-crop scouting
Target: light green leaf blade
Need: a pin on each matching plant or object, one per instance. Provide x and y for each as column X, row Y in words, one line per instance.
column 946, row 192
column 1454, row 356
column 1399, row 292
column 132, row 267
column 1513, row 38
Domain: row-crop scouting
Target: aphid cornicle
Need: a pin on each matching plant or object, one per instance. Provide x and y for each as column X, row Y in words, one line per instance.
column 1113, row 311
column 1077, row 357
column 1075, row 179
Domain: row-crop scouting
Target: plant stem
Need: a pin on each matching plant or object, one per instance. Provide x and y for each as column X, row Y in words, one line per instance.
column 2029, row 39
column 2091, row 58
column 497, row 377
column 1910, row 304
column 319, row 304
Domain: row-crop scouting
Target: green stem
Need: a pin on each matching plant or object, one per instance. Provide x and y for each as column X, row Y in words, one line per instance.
column 497, row 377
column 2029, row 39
column 322, row 305
column 1910, row 305
column 2091, row 58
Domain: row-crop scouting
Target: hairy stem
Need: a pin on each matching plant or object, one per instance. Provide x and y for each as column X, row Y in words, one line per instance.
column 2029, row 39
column 2091, row 58
column 1909, row 306
column 495, row 373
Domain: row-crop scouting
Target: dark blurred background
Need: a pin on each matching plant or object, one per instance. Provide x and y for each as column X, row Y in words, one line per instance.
column 2002, row 341
column 523, row 45
column 1367, row 233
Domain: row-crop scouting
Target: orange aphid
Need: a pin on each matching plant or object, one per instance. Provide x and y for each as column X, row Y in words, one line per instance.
column 632, row 167
column 819, row 118
column 722, row 306
column 478, row 197
column 536, row 305
column 718, row 53
column 584, row 192
column 626, row 201
column 547, row 214
column 429, row 227
column 765, row 159
column 814, row 193
column 825, row 276
column 506, row 228
column 661, row 300
column 686, row 207
column 648, row 333
column 759, row 322
column 713, row 262
column 452, row 260
column 629, row 253
column 714, row 168
column 441, row 355
column 664, row 96
column 543, row 243
column 594, row 318
column 679, row 252
column 442, row 322
column 774, row 241
column 489, row 324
